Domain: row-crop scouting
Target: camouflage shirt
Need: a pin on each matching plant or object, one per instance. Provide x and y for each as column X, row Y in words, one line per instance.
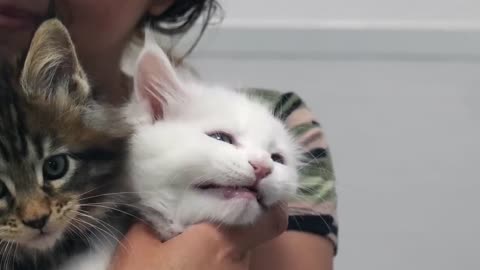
column 315, row 209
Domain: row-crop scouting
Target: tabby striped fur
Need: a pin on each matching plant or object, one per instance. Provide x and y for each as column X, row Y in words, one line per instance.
column 47, row 118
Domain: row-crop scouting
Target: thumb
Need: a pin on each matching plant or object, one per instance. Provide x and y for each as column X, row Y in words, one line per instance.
column 272, row 223
column 238, row 240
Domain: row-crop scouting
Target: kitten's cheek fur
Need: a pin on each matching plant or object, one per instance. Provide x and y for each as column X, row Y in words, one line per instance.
column 283, row 188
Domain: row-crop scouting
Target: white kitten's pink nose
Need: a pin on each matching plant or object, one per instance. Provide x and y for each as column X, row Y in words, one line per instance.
column 260, row 169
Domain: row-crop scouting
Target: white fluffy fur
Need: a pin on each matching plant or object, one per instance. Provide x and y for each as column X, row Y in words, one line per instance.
column 169, row 156
column 171, row 153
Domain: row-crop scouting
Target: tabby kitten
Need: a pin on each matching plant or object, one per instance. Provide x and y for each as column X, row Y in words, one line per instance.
column 61, row 158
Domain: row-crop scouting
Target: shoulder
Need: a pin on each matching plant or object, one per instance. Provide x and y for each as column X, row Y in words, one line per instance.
column 282, row 103
column 316, row 211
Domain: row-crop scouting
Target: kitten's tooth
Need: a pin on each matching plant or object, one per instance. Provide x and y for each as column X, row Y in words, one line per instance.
column 229, row 193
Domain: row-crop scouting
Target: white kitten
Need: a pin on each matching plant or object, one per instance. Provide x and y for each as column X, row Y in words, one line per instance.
column 204, row 153
column 200, row 153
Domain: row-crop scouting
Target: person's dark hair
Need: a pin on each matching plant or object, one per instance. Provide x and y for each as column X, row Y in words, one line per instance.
column 181, row 16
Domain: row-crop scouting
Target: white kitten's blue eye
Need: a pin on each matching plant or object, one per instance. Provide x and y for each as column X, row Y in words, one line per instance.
column 278, row 158
column 222, row 136
column 55, row 167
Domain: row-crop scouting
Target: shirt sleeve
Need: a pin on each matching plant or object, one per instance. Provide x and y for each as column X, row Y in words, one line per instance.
column 314, row 211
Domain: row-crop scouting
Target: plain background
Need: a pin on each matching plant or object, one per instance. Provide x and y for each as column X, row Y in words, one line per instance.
column 404, row 131
column 354, row 11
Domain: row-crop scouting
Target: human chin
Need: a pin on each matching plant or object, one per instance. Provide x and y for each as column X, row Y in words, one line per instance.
column 14, row 42
column 18, row 21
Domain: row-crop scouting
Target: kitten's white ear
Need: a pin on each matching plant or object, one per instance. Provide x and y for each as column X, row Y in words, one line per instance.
column 156, row 82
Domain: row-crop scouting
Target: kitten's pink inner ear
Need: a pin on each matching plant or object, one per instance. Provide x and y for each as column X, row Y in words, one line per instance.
column 156, row 81
column 147, row 90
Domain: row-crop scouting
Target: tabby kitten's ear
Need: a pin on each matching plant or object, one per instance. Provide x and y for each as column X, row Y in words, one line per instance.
column 52, row 69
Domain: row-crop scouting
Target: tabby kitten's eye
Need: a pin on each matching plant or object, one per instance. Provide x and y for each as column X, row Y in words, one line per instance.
column 3, row 190
column 222, row 136
column 55, row 167
column 278, row 158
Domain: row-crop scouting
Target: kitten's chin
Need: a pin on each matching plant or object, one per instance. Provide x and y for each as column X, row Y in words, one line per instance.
column 43, row 242
column 245, row 213
column 234, row 209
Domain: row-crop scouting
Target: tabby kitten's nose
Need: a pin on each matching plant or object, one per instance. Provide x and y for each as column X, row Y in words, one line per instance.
column 38, row 223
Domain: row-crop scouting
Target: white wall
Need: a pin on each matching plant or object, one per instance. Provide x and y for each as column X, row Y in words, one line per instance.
column 414, row 12
column 403, row 124
column 405, row 141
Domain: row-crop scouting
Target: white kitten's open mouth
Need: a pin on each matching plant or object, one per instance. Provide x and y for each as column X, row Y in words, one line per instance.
column 232, row 192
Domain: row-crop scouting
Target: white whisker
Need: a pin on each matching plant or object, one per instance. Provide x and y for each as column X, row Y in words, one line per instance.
column 100, row 205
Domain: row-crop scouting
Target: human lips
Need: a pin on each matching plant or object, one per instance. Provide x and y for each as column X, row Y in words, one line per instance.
column 15, row 17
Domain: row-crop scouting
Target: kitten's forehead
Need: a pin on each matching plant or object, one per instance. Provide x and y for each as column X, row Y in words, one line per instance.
column 219, row 105
column 24, row 138
column 15, row 142
column 249, row 120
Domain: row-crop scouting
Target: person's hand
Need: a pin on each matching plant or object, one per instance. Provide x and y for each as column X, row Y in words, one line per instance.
column 202, row 246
